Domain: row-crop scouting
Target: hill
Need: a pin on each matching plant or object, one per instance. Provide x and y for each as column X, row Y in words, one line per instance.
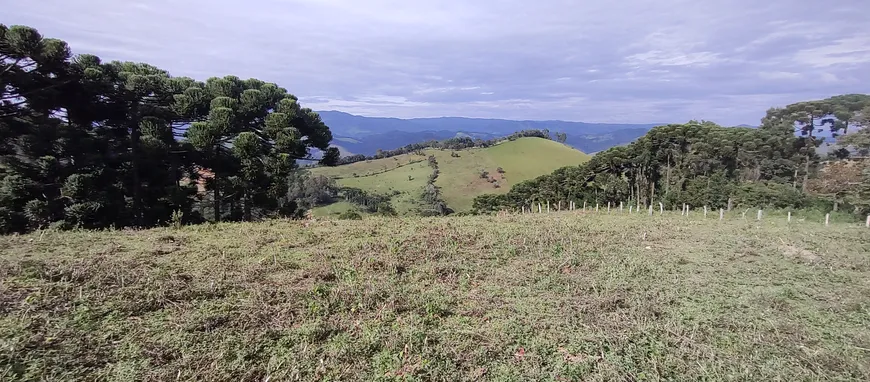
column 563, row 296
column 460, row 176
column 364, row 135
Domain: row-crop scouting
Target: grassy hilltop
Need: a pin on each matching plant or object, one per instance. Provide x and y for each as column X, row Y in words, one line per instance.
column 564, row 296
column 459, row 179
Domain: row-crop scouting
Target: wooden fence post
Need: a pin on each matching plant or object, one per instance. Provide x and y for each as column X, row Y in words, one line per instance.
column 789, row 217
column 629, row 209
column 827, row 219
column 584, row 205
column 596, row 207
column 759, row 215
column 548, row 206
column 688, row 208
column 608, row 207
column 661, row 208
column 867, row 224
column 721, row 214
column 620, row 207
column 539, row 208
column 560, row 206
column 705, row 212
column 650, row 210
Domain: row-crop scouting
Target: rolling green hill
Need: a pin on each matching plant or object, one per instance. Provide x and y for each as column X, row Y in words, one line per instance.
column 459, row 178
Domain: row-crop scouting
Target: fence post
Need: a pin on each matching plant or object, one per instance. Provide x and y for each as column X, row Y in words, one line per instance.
column 705, row 212
column 608, row 207
column 539, row 207
column 650, row 210
column 867, row 224
column 789, row 217
column 548, row 206
column 584, row 205
column 620, row 207
column 596, row 207
column 661, row 208
column 629, row 209
column 759, row 215
column 827, row 219
column 721, row 214
column 683, row 212
column 688, row 208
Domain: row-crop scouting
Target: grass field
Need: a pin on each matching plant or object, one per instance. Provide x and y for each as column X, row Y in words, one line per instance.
column 512, row 298
column 459, row 179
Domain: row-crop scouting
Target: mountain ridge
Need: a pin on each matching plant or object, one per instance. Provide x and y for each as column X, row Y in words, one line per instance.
column 355, row 134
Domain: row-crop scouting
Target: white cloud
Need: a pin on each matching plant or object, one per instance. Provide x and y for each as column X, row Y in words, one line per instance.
column 491, row 58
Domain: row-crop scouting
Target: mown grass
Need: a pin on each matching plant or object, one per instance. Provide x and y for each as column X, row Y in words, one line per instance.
column 554, row 297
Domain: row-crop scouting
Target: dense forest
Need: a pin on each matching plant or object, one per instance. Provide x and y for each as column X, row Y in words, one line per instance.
column 87, row 143
column 703, row 164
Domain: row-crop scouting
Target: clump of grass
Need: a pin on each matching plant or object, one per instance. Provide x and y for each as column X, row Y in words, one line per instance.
column 533, row 297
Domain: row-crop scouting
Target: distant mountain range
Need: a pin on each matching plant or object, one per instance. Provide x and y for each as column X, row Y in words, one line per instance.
column 354, row 134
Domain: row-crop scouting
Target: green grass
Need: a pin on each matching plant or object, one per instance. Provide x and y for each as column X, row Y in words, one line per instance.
column 459, row 178
column 522, row 159
column 556, row 297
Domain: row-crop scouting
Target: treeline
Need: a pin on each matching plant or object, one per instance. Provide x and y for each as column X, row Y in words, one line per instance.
column 87, row 143
column 457, row 143
column 701, row 163
column 433, row 205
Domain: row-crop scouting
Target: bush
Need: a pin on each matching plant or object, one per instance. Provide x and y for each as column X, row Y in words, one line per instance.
column 484, row 174
column 350, row 215
column 500, row 170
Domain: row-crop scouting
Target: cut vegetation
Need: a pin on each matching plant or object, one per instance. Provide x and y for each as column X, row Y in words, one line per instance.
column 598, row 298
column 460, row 178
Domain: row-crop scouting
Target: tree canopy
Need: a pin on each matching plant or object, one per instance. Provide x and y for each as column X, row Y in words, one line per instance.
column 87, row 143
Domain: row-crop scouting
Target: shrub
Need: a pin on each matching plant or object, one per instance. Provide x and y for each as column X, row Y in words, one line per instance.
column 350, row 215
column 500, row 170
column 484, row 174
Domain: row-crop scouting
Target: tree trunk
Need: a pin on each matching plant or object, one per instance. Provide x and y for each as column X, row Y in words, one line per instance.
column 668, row 177
column 811, row 146
column 217, row 198
column 247, row 206
column 135, row 137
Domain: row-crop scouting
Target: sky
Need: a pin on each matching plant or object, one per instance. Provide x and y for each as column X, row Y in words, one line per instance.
column 625, row 61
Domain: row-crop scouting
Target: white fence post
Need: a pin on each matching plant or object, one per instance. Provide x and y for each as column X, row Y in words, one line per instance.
column 608, row 207
column 661, row 208
column 827, row 219
column 584, row 205
column 650, row 210
column 759, row 215
column 548, row 206
column 629, row 209
column 705, row 212
column 596, row 207
column 789, row 217
column 539, row 208
column 721, row 214
column 867, row 224
column 620, row 207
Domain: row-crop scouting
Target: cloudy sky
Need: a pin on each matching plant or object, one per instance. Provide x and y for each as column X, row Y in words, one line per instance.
column 590, row 60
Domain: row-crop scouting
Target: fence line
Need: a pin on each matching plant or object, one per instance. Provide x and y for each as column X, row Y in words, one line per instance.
column 572, row 206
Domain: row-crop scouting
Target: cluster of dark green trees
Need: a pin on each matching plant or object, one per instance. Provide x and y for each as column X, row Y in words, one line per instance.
column 93, row 144
column 457, row 143
column 703, row 164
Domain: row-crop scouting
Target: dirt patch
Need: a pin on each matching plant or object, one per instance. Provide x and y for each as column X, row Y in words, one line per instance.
column 800, row 254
